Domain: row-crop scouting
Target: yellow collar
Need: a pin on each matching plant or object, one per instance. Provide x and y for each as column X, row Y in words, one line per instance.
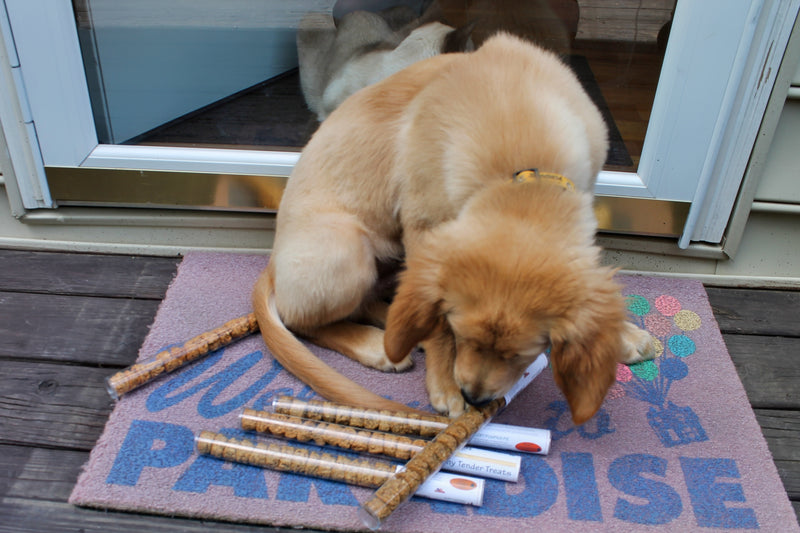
column 533, row 174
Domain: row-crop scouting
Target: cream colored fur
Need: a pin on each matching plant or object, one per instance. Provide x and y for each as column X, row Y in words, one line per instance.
column 338, row 59
column 420, row 166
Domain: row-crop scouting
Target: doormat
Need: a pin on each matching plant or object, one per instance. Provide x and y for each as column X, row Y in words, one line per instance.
column 675, row 446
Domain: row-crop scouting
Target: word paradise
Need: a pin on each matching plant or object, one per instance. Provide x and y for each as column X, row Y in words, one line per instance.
column 642, row 494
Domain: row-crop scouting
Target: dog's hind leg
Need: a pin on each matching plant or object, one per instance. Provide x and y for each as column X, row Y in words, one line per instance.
column 359, row 342
column 325, row 278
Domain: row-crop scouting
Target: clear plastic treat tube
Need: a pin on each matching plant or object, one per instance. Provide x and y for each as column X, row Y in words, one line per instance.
column 396, row 490
column 379, row 420
column 365, row 472
column 474, row 461
column 168, row 360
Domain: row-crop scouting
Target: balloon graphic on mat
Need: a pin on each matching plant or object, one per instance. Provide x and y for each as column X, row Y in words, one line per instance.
column 674, row 369
column 651, row 381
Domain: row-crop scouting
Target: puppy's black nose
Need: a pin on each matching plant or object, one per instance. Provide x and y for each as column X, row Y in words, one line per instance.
column 472, row 400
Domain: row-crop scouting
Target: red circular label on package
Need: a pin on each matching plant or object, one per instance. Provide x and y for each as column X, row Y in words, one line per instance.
column 528, row 447
column 463, row 484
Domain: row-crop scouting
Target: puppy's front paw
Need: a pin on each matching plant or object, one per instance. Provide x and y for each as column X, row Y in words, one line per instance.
column 451, row 405
column 637, row 345
column 445, row 396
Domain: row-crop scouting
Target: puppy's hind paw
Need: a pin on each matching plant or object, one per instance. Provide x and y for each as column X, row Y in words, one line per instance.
column 638, row 345
column 401, row 366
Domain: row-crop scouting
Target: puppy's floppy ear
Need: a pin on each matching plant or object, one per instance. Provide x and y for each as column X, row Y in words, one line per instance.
column 585, row 350
column 415, row 310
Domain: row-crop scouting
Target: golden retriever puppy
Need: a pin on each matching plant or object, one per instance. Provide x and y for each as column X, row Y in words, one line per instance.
column 479, row 170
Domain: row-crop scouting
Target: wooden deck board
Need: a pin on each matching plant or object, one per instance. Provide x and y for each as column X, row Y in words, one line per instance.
column 781, row 430
column 69, row 320
column 52, row 405
column 769, row 368
column 756, row 312
column 23, row 515
column 86, row 274
column 39, row 473
column 75, row 329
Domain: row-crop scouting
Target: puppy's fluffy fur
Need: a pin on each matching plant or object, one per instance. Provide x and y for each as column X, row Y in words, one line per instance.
column 420, row 165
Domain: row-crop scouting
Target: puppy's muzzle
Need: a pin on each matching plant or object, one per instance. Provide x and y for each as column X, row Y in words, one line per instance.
column 474, row 400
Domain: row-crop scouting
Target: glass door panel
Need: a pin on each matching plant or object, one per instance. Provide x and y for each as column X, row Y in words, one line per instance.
column 225, row 74
column 167, row 72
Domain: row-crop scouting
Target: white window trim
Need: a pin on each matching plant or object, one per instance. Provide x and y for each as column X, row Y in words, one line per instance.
column 220, row 160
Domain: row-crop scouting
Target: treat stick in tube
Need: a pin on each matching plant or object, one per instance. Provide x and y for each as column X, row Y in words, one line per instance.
column 355, row 471
column 491, row 435
column 396, row 490
column 388, row 421
column 168, row 360
column 483, row 463
column 396, row 422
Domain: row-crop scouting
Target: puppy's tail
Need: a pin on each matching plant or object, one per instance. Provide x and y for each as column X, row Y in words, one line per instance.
column 301, row 362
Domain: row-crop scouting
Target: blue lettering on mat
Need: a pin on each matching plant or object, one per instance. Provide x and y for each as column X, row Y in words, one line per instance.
column 664, row 504
column 150, row 445
column 443, row 507
column 541, row 492
column 163, row 397
column 583, row 498
column 561, row 418
column 161, row 445
column 247, row 481
column 296, row 488
column 708, row 497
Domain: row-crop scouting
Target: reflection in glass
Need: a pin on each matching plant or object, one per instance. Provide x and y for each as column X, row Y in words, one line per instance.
column 261, row 73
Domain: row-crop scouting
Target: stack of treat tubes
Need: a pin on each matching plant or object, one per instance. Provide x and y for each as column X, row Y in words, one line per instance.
column 395, row 435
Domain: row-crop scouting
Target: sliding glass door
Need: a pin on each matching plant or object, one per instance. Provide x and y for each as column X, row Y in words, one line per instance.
column 198, row 103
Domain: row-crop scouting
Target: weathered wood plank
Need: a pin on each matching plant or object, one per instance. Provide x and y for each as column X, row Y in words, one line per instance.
column 789, row 471
column 86, row 274
column 39, row 516
column 52, row 405
column 39, row 473
column 756, row 312
column 80, row 329
column 769, row 368
column 781, row 429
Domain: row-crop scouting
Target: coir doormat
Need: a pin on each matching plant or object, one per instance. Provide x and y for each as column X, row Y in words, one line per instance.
column 675, row 447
